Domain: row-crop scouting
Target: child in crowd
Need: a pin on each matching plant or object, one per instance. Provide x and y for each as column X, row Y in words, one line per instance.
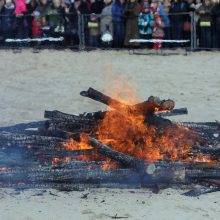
column 158, row 31
column 93, row 26
column 146, row 23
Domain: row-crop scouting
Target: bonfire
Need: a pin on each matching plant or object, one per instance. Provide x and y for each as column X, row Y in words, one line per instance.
column 130, row 145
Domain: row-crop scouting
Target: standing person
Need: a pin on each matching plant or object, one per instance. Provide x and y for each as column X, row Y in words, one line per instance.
column 31, row 6
column 206, row 24
column 56, row 19
column 216, row 24
column 146, row 23
column 177, row 21
column 71, row 24
column 131, row 13
column 106, row 19
column 7, row 19
column 118, row 23
column 40, row 19
column 162, row 11
column 21, row 24
column 158, row 31
column 93, row 26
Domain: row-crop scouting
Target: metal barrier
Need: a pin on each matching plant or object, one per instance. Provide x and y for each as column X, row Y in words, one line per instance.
column 176, row 27
column 106, row 31
column 41, row 31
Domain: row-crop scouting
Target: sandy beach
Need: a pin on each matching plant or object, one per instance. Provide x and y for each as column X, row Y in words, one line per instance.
column 33, row 82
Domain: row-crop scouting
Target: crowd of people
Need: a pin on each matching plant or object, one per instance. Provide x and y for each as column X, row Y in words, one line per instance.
column 111, row 22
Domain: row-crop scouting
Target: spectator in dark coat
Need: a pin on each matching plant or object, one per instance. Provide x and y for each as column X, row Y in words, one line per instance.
column 31, row 6
column 71, row 24
column 118, row 23
column 206, row 24
column 177, row 21
column 216, row 24
column 131, row 13
column 7, row 19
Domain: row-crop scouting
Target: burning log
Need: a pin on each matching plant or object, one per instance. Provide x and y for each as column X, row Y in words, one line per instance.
column 151, row 105
column 174, row 112
column 123, row 159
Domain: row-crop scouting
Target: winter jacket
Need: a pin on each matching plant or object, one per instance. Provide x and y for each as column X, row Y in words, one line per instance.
column 118, row 12
column 131, row 13
column 164, row 15
column 216, row 15
column 7, row 20
column 106, row 19
column 158, row 31
column 206, row 19
column 20, row 7
column 178, row 7
column 146, row 22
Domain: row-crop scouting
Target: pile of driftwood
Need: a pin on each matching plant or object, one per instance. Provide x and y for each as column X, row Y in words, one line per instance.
column 33, row 155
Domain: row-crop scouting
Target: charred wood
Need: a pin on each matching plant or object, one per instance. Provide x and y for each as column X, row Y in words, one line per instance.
column 144, row 108
column 174, row 112
column 10, row 139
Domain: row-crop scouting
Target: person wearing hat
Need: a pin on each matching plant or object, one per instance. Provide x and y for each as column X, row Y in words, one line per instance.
column 146, row 23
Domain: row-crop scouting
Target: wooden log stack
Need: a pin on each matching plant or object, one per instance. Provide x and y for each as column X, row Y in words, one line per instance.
column 44, row 161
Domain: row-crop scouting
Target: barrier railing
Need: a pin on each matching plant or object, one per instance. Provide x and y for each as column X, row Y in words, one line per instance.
column 108, row 31
column 33, row 30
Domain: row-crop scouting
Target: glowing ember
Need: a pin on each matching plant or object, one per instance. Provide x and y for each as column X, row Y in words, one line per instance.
column 56, row 160
column 108, row 165
column 4, row 168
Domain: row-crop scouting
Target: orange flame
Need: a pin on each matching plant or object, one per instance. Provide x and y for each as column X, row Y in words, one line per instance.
column 56, row 160
column 129, row 134
column 74, row 145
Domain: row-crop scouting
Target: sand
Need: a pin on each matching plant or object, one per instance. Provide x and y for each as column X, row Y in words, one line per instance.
column 32, row 82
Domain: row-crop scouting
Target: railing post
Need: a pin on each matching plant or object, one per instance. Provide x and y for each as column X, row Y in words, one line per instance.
column 81, row 32
column 193, row 32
